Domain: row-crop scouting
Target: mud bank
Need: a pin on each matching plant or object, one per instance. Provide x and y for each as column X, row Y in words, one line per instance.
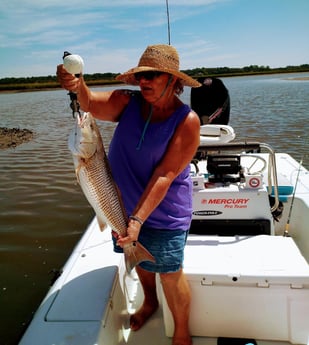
column 12, row 137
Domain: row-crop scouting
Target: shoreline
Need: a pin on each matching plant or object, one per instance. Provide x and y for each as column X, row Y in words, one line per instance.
column 29, row 88
column 298, row 78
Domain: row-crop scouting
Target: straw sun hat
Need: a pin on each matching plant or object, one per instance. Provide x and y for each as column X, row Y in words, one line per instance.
column 162, row 58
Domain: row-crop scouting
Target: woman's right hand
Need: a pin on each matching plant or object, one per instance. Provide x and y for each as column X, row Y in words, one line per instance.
column 67, row 80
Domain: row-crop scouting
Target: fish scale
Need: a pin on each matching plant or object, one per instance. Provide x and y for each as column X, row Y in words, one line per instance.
column 95, row 178
column 108, row 207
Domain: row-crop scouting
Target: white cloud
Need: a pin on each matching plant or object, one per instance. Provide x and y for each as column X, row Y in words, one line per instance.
column 111, row 35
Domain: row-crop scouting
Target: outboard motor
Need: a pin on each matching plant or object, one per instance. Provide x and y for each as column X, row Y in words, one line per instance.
column 211, row 101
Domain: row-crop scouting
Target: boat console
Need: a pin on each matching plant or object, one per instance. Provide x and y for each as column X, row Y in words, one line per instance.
column 230, row 192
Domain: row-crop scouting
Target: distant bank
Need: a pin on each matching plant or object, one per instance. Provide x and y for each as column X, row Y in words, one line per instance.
column 9, row 85
column 45, row 86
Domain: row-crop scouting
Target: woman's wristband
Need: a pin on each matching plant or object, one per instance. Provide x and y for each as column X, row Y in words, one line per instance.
column 137, row 219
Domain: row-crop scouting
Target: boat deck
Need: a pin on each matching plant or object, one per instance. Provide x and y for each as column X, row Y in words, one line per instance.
column 90, row 302
column 88, row 298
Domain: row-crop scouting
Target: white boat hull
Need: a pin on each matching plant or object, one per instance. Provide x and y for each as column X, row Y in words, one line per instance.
column 243, row 286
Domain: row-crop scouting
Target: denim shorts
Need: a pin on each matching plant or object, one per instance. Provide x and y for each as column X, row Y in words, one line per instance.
column 167, row 247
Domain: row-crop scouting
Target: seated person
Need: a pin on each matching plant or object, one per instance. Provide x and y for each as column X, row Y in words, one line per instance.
column 211, row 101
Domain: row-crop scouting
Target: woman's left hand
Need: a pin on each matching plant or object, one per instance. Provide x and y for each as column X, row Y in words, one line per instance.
column 133, row 230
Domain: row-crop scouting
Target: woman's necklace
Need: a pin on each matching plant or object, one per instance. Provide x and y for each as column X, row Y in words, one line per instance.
column 142, row 138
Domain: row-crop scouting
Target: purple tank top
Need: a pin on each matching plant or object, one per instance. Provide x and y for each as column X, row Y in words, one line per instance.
column 132, row 168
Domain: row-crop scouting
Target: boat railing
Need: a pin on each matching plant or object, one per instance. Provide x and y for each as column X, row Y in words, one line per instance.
column 272, row 175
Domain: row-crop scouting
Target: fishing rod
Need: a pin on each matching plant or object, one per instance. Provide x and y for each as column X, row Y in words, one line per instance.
column 287, row 225
column 168, row 23
column 73, row 64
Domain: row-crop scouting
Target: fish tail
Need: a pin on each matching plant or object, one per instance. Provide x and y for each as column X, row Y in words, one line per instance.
column 134, row 254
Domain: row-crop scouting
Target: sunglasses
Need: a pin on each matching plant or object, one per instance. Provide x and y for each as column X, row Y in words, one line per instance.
column 149, row 75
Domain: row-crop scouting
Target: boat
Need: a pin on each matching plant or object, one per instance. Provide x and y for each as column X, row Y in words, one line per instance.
column 246, row 261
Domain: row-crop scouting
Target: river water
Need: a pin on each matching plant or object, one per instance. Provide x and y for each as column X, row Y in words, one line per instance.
column 43, row 212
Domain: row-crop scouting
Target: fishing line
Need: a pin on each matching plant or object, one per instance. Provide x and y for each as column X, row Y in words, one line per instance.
column 287, row 225
column 142, row 138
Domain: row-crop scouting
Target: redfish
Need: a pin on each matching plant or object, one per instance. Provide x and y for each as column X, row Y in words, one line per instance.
column 95, row 178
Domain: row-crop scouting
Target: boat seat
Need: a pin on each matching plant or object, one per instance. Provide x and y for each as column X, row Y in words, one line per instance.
column 87, row 291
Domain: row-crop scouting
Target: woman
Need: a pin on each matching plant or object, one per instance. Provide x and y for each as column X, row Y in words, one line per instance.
column 150, row 153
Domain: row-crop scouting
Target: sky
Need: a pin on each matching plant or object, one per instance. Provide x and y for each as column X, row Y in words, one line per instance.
column 111, row 35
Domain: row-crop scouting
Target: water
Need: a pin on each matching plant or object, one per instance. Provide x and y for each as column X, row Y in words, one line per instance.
column 43, row 213
column 273, row 109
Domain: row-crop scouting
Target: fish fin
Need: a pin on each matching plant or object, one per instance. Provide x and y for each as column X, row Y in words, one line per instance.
column 78, row 168
column 134, row 253
column 102, row 224
column 77, row 175
column 118, row 191
column 121, row 203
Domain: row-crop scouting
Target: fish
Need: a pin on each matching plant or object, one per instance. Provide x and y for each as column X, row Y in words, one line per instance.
column 95, row 178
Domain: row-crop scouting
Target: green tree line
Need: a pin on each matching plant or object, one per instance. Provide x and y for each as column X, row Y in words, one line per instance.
column 50, row 81
column 252, row 69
